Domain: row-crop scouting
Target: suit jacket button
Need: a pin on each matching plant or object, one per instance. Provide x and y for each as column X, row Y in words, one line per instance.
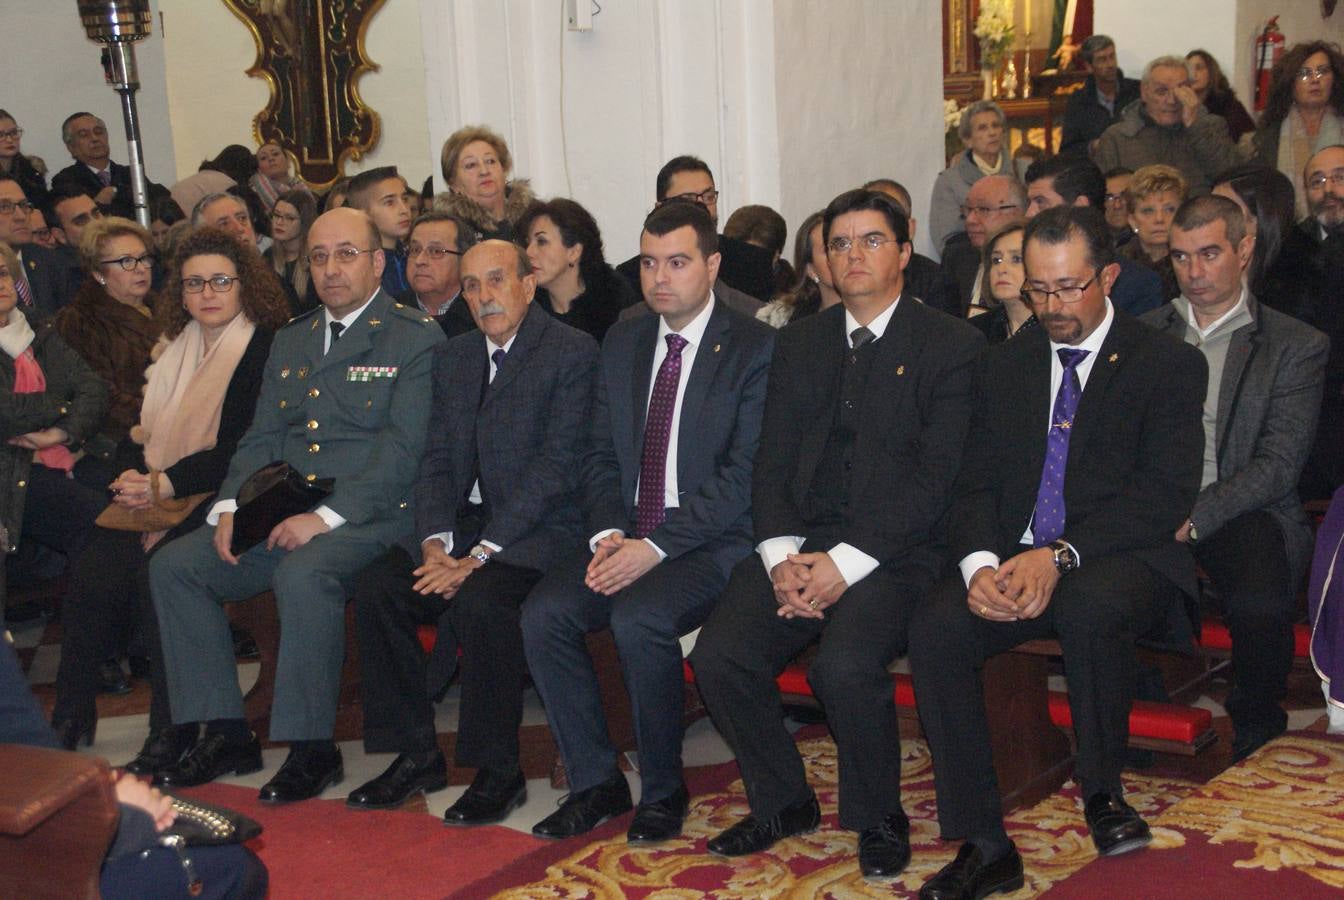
column 22, row 483
column 314, row 393
column 284, row 403
column 402, row 505
column 313, row 448
column 312, row 424
column 312, row 476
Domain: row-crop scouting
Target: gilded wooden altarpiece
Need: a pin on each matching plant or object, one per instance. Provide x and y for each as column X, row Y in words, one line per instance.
column 311, row 53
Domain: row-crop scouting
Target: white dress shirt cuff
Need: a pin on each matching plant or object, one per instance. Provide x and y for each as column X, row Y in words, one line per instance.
column 333, row 519
column 443, row 537
column 656, row 549
column 592, row 541
column 853, row 563
column 491, row 546
column 775, row 550
column 976, row 561
column 223, row 506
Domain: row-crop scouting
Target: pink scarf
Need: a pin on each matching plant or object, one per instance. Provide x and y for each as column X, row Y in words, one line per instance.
column 28, row 379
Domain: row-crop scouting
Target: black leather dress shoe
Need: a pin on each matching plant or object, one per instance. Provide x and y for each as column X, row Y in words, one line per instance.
column 752, row 835
column 73, row 732
column 212, row 757
column 970, row 877
column 163, row 748
column 585, row 810
column 401, row 780
column 112, row 678
column 1248, row 740
column 884, row 850
column 490, row 798
column 304, row 774
column 660, row 820
column 1116, row 828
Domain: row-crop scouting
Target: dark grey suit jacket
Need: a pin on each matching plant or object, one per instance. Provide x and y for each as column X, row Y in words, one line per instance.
column 719, row 424
column 53, row 276
column 1268, row 403
column 522, row 435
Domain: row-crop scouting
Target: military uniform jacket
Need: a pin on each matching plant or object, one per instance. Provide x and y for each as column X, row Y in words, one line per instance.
column 358, row 414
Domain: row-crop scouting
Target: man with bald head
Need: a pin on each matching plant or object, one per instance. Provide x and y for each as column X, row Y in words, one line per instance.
column 496, row 506
column 993, row 202
column 345, row 401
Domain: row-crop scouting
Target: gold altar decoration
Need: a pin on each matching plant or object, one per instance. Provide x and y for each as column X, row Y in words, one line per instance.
column 311, row 53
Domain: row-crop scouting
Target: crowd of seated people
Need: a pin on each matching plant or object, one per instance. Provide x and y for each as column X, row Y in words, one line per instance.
column 1125, row 362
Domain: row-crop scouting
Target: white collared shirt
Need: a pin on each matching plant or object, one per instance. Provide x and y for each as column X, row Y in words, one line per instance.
column 978, row 559
column 347, row 320
column 854, row 565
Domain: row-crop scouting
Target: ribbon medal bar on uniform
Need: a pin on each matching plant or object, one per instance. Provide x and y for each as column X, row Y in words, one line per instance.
column 369, row 373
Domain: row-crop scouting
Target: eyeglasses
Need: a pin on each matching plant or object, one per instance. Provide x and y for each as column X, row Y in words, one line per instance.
column 220, row 284
column 1318, row 180
column 130, row 263
column 1115, row 199
column 983, row 211
column 341, row 254
column 705, row 197
column 12, row 134
column 871, row 242
column 7, row 207
column 1040, row 296
column 1316, row 74
column 433, row 251
column 283, row 217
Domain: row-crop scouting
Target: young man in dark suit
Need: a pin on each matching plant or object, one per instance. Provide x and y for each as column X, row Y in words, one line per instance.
column 495, row 509
column 865, row 421
column 667, row 492
column 1247, row 529
column 1088, row 440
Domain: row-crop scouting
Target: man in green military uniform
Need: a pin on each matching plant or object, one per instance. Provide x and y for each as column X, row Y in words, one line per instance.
column 346, row 395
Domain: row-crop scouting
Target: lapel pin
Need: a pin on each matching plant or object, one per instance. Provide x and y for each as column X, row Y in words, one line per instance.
column 716, row 347
column 900, row 370
column 313, row 327
column 1113, row 357
column 303, row 372
column 284, row 373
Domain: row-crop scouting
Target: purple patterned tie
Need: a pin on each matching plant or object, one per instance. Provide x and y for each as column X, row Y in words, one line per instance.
column 1048, row 524
column 105, row 176
column 23, row 289
column 651, row 507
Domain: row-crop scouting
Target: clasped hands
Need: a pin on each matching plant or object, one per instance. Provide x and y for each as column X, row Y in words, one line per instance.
column 806, row 585
column 441, row 573
column 1021, row 588
column 131, row 489
column 618, row 563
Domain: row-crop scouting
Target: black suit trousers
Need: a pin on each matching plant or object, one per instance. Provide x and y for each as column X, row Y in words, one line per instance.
column 744, row 646
column 1097, row 612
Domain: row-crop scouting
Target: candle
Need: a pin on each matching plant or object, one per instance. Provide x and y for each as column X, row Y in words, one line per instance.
column 1026, row 18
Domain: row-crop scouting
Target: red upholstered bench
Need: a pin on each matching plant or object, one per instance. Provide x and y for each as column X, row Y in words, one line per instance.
column 1214, row 635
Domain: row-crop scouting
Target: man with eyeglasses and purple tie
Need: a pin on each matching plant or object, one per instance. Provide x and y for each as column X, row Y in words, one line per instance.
column 345, row 396
column 434, row 251
column 48, row 279
column 1090, row 440
column 864, row 426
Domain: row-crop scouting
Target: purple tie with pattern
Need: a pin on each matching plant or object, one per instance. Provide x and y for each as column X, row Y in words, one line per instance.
column 1048, row 524
column 105, row 177
column 22, row 288
column 650, row 506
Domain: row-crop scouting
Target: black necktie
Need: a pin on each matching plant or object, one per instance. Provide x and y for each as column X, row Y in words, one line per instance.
column 860, row 336
column 336, row 329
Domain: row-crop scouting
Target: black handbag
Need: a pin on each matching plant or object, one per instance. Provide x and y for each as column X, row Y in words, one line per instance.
column 270, row 495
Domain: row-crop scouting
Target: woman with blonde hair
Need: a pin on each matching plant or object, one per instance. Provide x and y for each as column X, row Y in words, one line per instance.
column 476, row 168
column 1151, row 200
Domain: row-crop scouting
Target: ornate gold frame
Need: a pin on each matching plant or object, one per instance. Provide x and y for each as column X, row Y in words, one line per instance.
column 311, row 53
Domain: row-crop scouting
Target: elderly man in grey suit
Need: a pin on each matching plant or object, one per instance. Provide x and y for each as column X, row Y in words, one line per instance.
column 1247, row 529
column 496, row 508
column 667, row 492
column 345, row 396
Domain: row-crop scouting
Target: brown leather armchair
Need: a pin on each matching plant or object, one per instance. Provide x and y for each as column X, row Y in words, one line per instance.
column 58, row 815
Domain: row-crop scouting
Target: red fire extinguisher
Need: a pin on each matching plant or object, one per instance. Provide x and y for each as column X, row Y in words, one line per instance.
column 1268, row 50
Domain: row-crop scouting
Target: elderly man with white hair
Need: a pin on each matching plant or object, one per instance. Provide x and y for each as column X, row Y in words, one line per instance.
column 1167, row 124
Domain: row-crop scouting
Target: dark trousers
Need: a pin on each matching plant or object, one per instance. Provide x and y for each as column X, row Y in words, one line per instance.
column 108, row 596
column 1097, row 612
column 646, row 619
column 746, row 644
column 58, row 515
column 1248, row 563
column 485, row 615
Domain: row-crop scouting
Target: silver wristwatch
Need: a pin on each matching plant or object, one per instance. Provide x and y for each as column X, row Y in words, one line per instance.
column 1065, row 561
column 480, row 553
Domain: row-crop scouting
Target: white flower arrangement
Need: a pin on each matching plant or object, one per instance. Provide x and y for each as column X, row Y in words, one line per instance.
column 994, row 29
column 952, row 114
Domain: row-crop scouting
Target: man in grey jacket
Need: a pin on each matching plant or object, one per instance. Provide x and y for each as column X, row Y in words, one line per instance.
column 1247, row 529
column 1168, row 125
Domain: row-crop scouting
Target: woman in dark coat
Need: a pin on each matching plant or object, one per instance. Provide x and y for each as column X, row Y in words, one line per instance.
column 476, row 166
column 218, row 312
column 574, row 282
column 50, row 403
column 17, row 166
column 1211, row 86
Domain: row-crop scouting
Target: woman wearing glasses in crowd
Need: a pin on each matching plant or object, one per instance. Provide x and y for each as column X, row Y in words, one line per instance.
column 476, row 165
column 217, row 313
column 1152, row 198
column 1304, row 112
column 292, row 214
column 109, row 323
column 19, row 167
column 574, row 282
column 1001, row 286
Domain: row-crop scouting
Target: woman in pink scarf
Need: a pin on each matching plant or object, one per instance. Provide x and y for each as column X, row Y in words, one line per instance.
column 50, row 403
column 218, row 310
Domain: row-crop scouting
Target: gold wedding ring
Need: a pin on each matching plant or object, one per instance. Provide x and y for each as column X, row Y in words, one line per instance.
column 983, row 610
column 812, row 603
